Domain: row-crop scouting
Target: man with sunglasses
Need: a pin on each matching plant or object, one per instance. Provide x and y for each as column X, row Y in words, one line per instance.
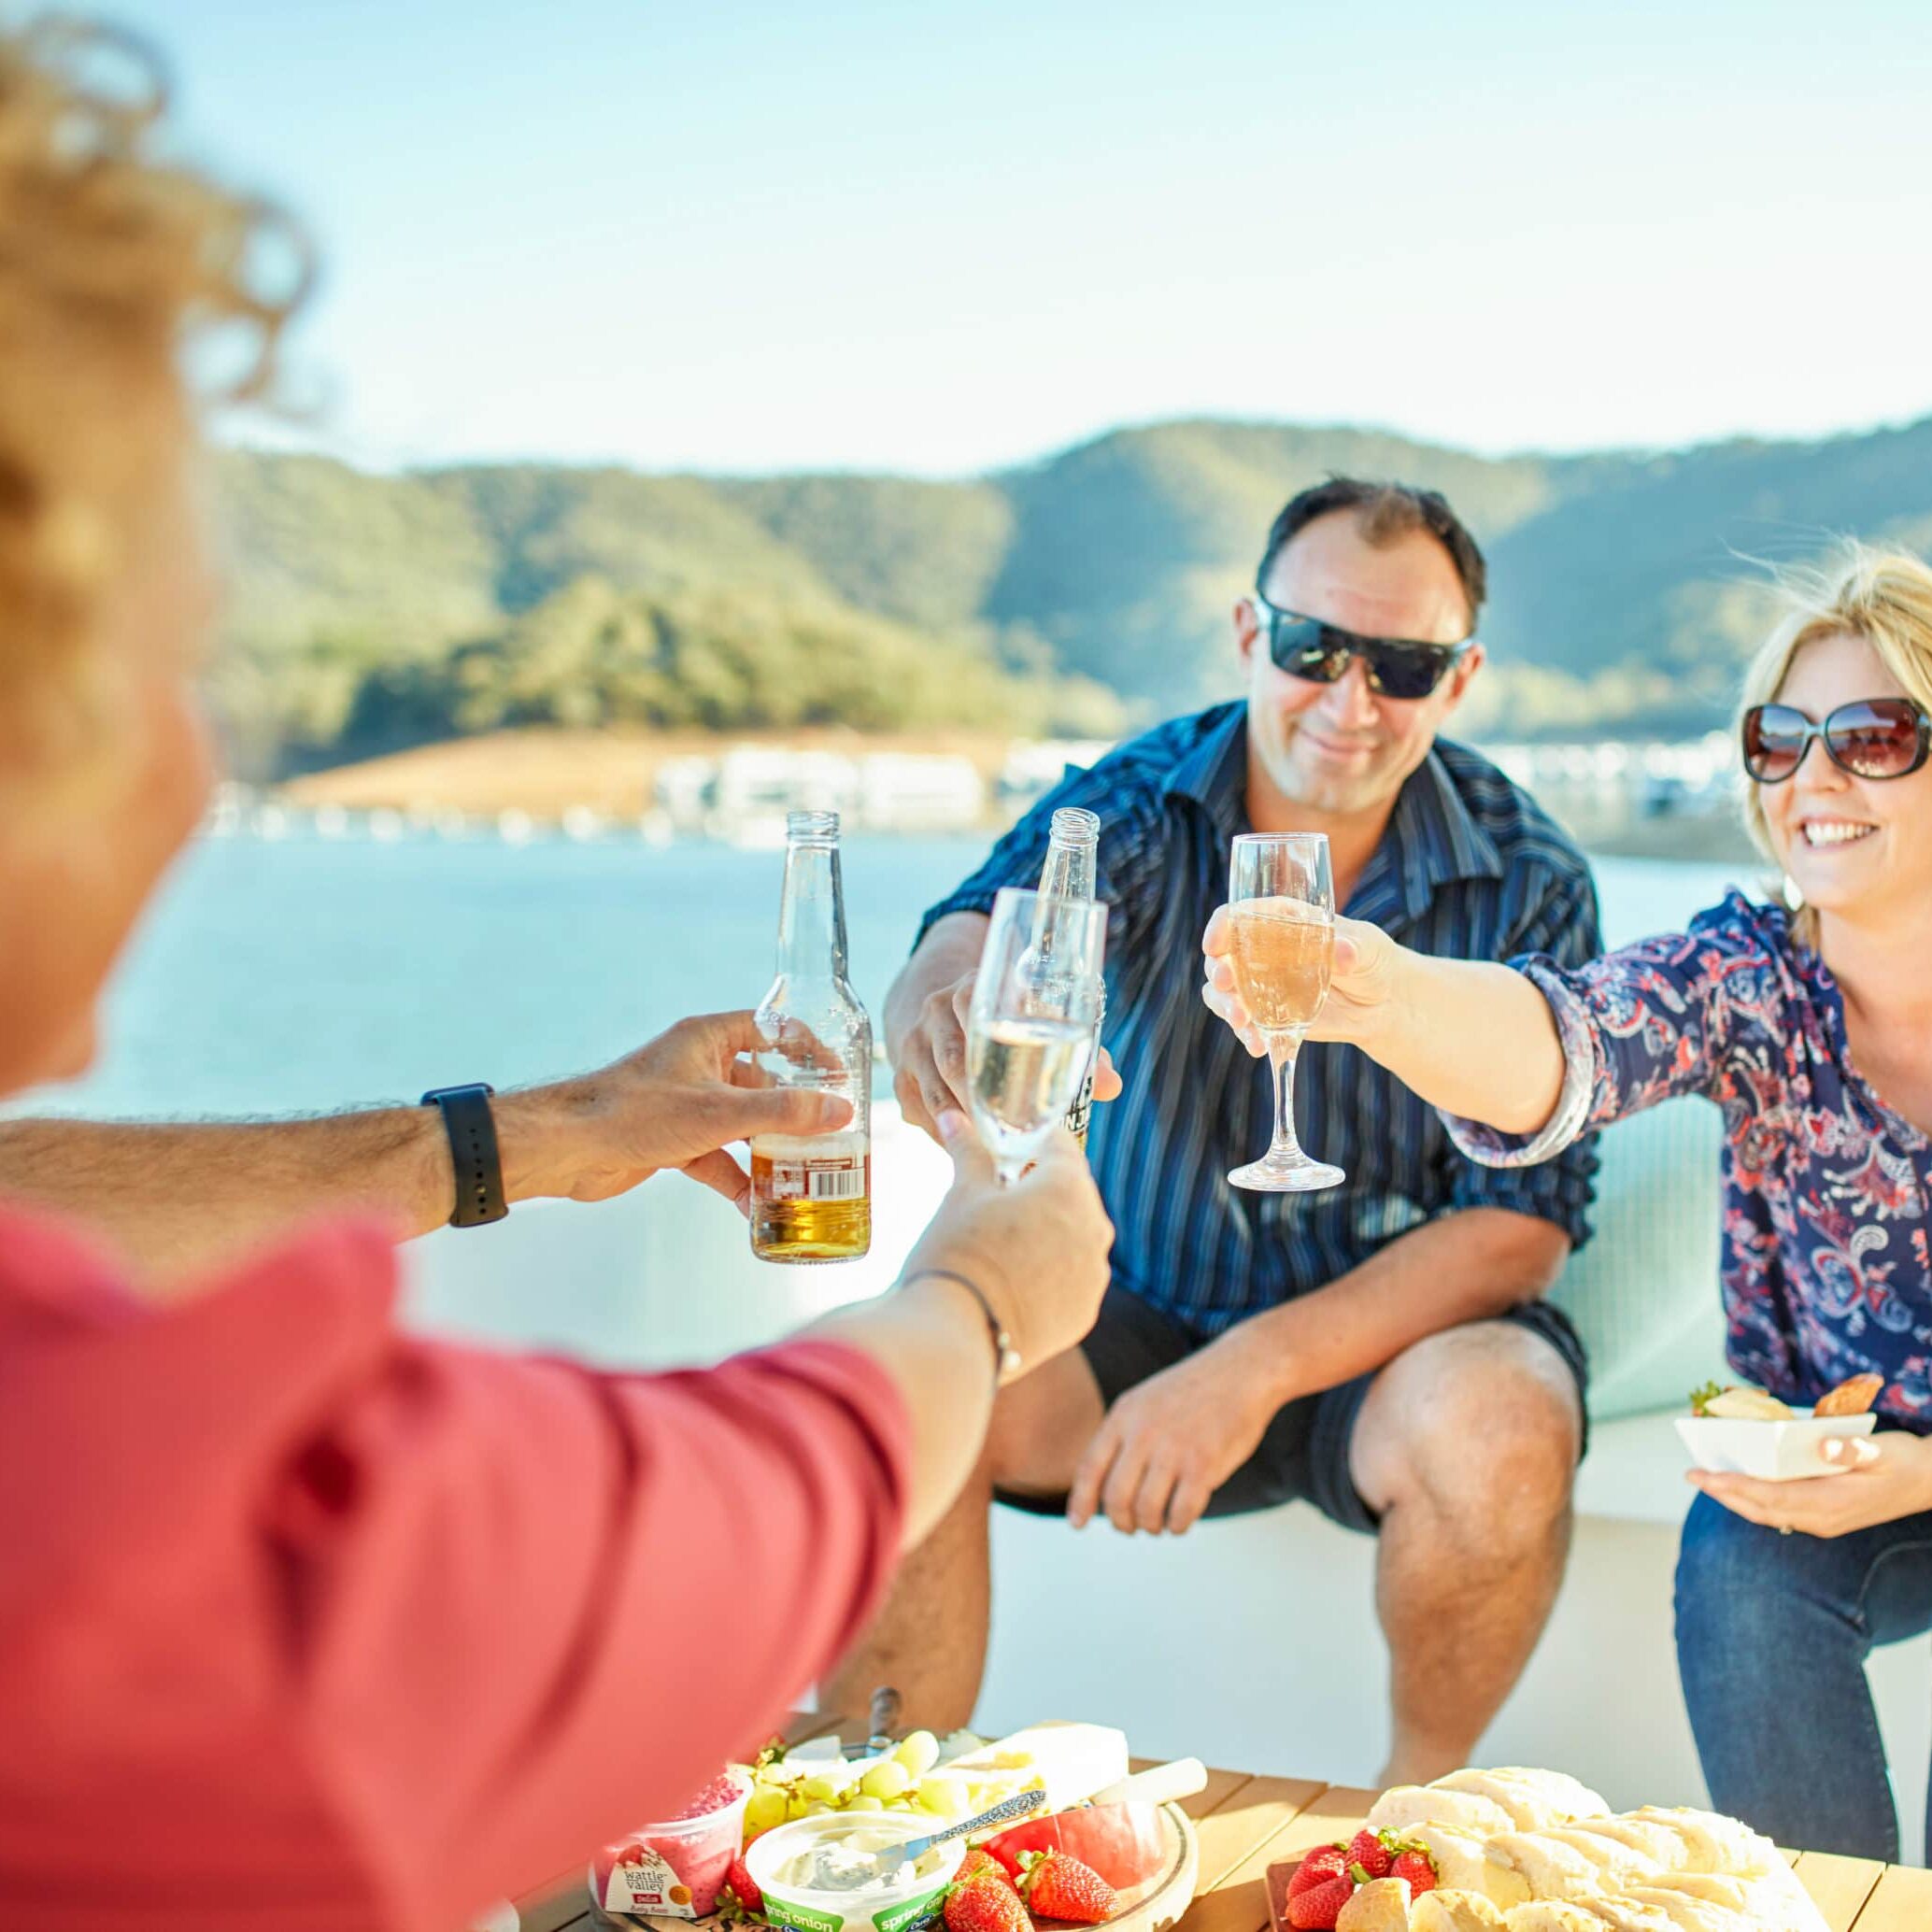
column 1379, row 1349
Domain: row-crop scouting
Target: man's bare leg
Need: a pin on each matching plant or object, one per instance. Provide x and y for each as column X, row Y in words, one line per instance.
column 1467, row 1448
column 930, row 1641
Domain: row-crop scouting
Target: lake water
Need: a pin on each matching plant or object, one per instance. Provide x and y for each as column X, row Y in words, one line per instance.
column 300, row 974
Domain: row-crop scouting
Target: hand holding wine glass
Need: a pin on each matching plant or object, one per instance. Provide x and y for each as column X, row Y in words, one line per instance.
column 1280, row 940
column 1032, row 1026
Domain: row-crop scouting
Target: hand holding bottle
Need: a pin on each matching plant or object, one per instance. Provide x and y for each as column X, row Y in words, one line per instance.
column 676, row 1103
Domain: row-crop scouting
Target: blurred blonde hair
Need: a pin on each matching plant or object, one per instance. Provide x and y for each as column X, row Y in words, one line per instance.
column 1882, row 596
column 116, row 266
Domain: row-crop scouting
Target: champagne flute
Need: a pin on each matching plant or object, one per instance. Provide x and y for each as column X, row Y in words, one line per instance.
column 1281, row 903
column 1035, row 1009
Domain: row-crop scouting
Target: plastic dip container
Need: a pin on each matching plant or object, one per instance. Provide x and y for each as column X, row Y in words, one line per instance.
column 914, row 1898
column 673, row 1869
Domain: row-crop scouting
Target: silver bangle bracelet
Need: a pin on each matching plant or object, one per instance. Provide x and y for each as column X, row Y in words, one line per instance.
column 1006, row 1357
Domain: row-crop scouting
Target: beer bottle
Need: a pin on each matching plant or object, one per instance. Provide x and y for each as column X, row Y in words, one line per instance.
column 811, row 1195
column 1072, row 849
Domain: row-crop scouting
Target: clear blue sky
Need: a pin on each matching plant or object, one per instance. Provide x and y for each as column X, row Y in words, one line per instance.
column 940, row 238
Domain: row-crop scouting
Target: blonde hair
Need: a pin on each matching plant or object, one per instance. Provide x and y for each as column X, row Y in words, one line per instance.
column 115, row 267
column 1882, row 596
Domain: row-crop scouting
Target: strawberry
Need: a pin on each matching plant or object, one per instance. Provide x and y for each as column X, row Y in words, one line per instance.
column 1418, row 1868
column 1368, row 1850
column 1318, row 1909
column 985, row 1904
column 1324, row 1863
column 738, row 1882
column 1060, row 1887
column 977, row 1860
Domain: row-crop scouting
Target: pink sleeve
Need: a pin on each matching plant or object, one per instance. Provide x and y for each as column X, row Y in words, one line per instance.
column 464, row 1615
column 541, row 1607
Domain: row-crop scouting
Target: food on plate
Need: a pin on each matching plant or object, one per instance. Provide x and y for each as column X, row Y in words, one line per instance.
column 978, row 1859
column 1318, row 1908
column 1381, row 1905
column 1069, row 1762
column 847, row 1860
column 1577, row 1867
column 985, row 1904
column 1126, row 1844
column 1738, row 1403
column 1509, row 1798
column 1455, row 1912
column 1851, row 1396
column 910, row 1777
column 740, row 1891
column 1057, row 1886
column 1455, row 1854
column 1854, row 1395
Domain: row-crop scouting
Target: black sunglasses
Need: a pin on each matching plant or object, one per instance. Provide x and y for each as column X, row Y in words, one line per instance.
column 1397, row 667
column 1873, row 738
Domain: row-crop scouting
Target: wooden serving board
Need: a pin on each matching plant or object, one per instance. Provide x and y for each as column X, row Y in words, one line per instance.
column 1149, row 1907
column 1162, row 1900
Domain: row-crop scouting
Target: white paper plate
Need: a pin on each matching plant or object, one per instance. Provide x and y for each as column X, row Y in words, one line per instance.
column 1775, row 1452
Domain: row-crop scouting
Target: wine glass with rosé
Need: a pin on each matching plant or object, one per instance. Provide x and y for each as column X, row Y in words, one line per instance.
column 1281, row 907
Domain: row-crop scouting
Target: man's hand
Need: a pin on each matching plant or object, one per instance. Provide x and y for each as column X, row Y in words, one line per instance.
column 1885, row 1478
column 930, row 1059
column 676, row 1103
column 1361, row 990
column 1166, row 1446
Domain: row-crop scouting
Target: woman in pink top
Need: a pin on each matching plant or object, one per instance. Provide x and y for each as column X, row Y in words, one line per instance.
column 305, row 1622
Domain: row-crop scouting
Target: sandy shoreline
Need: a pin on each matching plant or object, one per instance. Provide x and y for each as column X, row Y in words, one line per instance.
column 547, row 773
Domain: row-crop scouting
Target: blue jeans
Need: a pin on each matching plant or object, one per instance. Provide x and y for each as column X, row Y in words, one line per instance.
column 1772, row 1635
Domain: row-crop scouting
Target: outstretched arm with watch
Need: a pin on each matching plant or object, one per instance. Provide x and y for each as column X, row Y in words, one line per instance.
column 177, row 1199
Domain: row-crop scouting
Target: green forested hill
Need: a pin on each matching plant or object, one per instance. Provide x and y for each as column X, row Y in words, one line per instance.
column 1076, row 594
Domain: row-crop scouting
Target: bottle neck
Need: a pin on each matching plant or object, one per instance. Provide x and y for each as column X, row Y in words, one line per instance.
column 1068, row 871
column 812, row 914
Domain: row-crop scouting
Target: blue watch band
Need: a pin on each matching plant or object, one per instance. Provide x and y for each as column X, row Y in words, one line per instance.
column 479, row 1173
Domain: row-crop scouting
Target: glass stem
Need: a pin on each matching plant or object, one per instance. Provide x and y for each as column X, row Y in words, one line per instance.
column 1281, row 1049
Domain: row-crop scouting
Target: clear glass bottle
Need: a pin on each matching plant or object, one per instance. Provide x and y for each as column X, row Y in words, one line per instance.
column 811, row 1196
column 1073, row 852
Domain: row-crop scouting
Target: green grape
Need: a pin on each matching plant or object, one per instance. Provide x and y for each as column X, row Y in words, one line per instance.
column 764, row 1809
column 796, row 1807
column 943, row 1796
column 919, row 1753
column 821, row 1787
column 865, row 1801
column 886, row 1780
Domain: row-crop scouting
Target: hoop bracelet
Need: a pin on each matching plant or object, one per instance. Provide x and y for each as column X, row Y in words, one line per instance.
column 1006, row 1357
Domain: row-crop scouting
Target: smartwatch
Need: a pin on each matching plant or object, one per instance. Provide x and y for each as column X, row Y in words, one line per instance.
column 479, row 1172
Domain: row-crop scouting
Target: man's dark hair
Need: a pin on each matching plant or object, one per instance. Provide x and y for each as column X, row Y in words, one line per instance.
column 1384, row 512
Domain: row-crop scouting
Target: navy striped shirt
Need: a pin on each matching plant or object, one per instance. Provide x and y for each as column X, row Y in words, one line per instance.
column 1468, row 868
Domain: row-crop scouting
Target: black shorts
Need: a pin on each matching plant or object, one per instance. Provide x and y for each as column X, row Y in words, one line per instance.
column 1304, row 1455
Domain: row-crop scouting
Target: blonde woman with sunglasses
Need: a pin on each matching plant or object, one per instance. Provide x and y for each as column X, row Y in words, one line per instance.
column 1813, row 1031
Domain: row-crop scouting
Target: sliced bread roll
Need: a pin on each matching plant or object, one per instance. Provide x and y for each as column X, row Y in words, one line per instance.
column 1546, row 1866
column 1621, row 1913
column 1621, row 1865
column 1460, row 1863
column 1555, row 1795
column 1405, row 1805
column 1554, row 1915
column 1687, row 1914
column 1528, row 1806
column 1776, row 1900
column 1716, row 1843
column 1455, row 1912
column 1666, row 1849
column 1380, row 1906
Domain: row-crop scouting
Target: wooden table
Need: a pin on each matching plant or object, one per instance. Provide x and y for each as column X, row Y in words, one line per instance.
column 1246, row 1823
